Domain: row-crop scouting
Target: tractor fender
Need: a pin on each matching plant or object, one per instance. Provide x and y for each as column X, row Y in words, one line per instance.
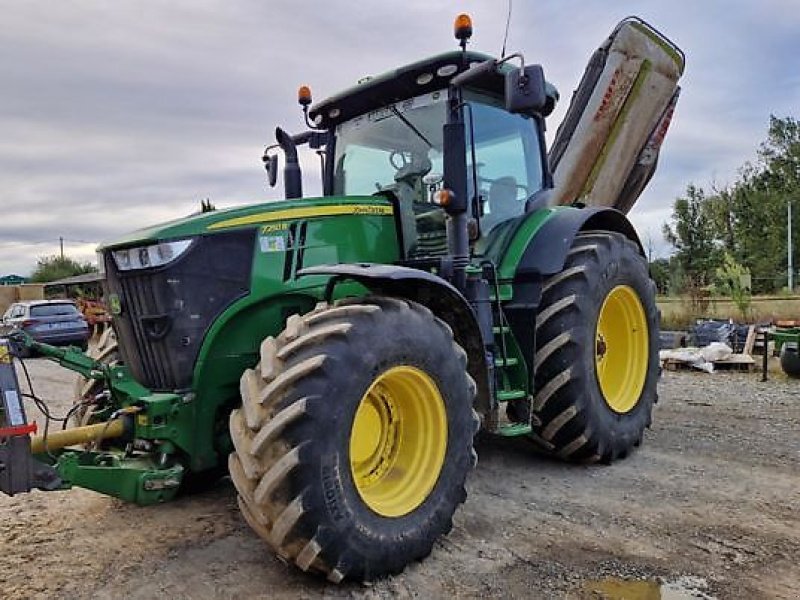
column 546, row 253
column 439, row 295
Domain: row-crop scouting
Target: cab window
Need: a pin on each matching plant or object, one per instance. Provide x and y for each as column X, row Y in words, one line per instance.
column 391, row 149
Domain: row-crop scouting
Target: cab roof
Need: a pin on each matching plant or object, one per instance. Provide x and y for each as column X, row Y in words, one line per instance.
column 405, row 82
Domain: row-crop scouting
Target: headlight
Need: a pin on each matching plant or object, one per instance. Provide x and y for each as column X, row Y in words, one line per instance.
column 145, row 257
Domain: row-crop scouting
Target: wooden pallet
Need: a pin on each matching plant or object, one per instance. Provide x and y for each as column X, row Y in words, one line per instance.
column 671, row 364
column 736, row 362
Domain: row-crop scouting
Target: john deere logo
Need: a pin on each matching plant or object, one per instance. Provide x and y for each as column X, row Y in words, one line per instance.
column 115, row 304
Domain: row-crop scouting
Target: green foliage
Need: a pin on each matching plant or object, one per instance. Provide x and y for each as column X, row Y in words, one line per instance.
column 746, row 220
column 693, row 235
column 781, row 155
column 733, row 280
column 677, row 278
column 53, row 268
column 660, row 273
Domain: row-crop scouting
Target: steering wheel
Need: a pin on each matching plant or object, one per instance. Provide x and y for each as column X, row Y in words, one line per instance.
column 398, row 159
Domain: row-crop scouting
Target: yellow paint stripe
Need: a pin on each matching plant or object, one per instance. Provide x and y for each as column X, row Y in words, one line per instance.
column 306, row 212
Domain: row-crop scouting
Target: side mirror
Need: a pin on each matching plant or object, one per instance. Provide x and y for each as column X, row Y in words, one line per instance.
column 525, row 90
column 271, row 166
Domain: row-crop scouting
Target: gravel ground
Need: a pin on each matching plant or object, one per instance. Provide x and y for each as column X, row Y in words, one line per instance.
column 708, row 507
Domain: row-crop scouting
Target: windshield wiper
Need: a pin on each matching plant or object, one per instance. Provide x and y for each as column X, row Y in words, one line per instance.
column 393, row 108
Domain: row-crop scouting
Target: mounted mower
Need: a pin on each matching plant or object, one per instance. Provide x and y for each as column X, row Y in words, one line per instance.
column 336, row 355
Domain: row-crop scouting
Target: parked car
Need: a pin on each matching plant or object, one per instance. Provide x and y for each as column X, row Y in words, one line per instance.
column 48, row 321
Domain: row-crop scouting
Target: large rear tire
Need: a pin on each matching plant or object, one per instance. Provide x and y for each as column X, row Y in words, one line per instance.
column 596, row 362
column 354, row 438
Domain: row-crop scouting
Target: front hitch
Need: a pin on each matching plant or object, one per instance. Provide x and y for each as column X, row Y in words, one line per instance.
column 62, row 459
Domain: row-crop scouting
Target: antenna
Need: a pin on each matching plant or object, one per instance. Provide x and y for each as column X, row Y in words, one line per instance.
column 505, row 37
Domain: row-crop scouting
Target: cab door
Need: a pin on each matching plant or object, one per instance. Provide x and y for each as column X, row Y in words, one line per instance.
column 509, row 159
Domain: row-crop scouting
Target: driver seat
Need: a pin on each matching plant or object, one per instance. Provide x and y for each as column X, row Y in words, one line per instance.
column 503, row 203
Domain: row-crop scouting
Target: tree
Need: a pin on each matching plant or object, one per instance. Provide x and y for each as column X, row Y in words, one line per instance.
column 723, row 217
column 52, row 268
column 759, row 229
column 660, row 274
column 694, row 236
column 780, row 154
column 746, row 220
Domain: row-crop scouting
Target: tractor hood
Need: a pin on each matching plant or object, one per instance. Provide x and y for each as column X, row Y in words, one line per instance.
column 176, row 286
column 255, row 215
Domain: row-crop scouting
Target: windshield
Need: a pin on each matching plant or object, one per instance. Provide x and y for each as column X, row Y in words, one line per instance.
column 391, row 148
column 52, row 310
column 398, row 148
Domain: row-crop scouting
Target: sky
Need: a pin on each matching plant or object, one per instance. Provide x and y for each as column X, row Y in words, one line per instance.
column 118, row 115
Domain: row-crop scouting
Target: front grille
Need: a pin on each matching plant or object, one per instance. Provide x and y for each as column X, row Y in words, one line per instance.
column 166, row 311
column 159, row 372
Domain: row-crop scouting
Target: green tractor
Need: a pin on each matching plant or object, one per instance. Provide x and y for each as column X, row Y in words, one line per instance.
column 336, row 355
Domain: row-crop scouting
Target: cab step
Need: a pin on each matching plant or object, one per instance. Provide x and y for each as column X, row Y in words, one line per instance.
column 514, row 429
column 506, row 395
column 507, row 362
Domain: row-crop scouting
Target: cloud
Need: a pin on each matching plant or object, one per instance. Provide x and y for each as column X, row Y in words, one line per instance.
column 119, row 115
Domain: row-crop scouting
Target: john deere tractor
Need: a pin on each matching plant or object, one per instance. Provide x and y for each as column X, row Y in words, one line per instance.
column 336, row 355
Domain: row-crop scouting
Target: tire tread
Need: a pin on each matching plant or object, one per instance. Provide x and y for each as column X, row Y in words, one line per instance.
column 265, row 458
column 560, row 414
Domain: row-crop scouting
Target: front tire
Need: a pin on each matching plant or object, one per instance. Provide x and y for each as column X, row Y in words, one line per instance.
column 354, row 438
column 596, row 362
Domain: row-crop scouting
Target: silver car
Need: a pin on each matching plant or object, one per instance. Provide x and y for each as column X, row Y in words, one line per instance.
column 48, row 321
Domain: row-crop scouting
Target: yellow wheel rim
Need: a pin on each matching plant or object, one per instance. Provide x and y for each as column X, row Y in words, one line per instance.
column 621, row 349
column 398, row 441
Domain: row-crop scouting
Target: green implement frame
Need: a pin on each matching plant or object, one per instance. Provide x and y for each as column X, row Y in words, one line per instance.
column 105, row 460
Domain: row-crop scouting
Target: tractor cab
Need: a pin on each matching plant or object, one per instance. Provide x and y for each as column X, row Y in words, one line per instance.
column 387, row 136
column 399, row 151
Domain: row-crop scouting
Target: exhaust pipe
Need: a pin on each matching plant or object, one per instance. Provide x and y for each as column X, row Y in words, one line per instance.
column 292, row 178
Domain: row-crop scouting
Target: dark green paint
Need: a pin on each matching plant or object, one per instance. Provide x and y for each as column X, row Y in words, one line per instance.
column 189, row 429
column 138, row 480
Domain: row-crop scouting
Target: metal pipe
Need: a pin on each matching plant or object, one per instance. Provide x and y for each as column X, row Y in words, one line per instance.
column 789, row 266
column 78, row 435
column 292, row 177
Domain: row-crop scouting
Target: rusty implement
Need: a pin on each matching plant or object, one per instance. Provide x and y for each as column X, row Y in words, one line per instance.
column 607, row 147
